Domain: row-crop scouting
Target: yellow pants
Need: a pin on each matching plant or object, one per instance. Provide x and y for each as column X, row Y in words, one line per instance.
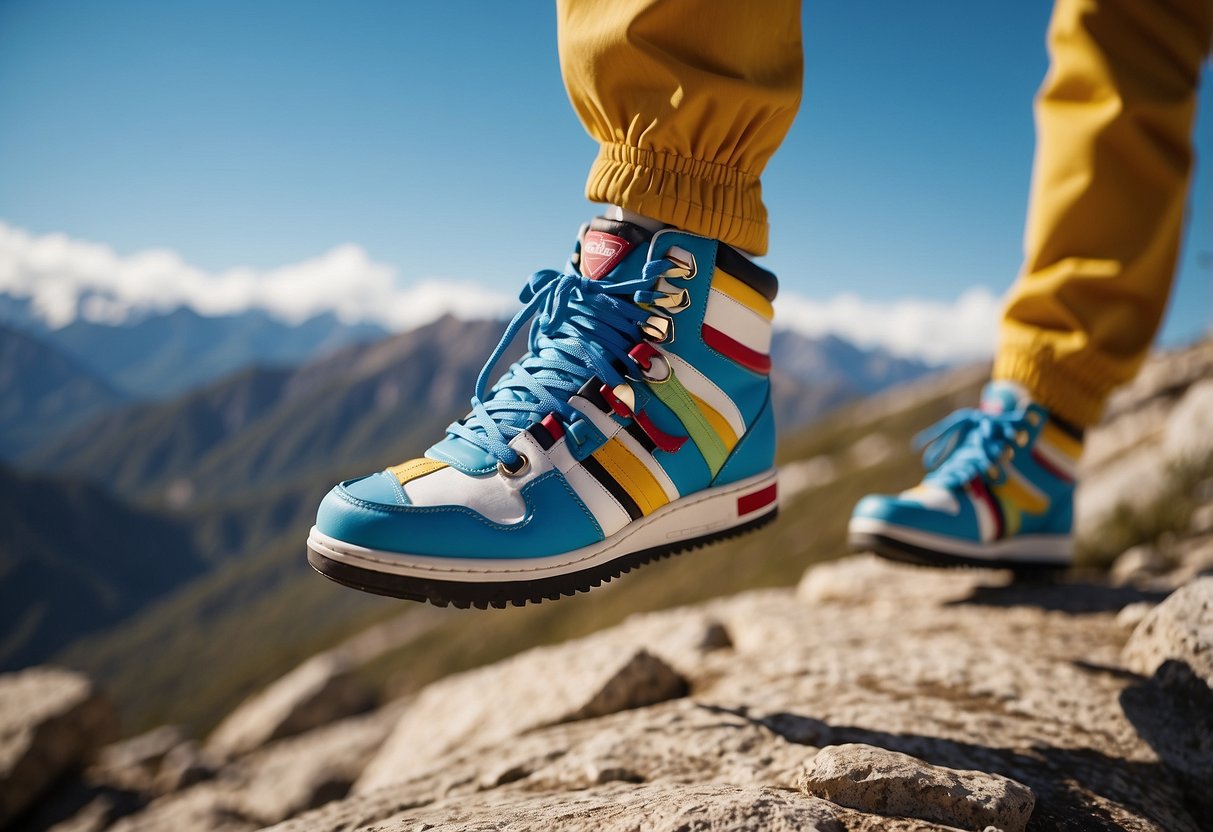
column 689, row 99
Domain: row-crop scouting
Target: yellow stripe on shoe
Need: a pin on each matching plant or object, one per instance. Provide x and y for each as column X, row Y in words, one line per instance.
column 739, row 291
column 1021, row 494
column 632, row 476
column 415, row 468
column 718, row 422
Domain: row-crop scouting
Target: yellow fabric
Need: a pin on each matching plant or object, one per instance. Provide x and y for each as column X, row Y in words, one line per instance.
column 719, row 423
column 415, row 468
column 1114, row 121
column 687, row 99
column 631, row 474
column 1014, row 492
column 1058, row 439
column 724, row 282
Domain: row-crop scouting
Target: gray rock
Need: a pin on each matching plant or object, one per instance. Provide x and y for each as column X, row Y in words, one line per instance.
column 1180, row 629
column 273, row 783
column 541, row 687
column 1131, row 615
column 51, row 722
column 301, row 773
column 888, row 783
column 868, row 579
column 1189, row 434
column 319, row 691
column 134, row 763
column 1202, row 519
column 184, row 766
column 200, row 809
column 143, row 751
column 1144, row 561
column 682, row 638
column 615, row 807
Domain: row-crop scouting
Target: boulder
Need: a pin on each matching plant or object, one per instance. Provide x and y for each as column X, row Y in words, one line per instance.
column 1139, row 562
column 300, row 773
column 1179, row 629
column 185, row 765
column 273, row 783
column 134, row 763
column 200, row 809
column 545, row 686
column 317, row 692
column 888, row 783
column 51, row 722
column 1188, row 438
column 866, row 579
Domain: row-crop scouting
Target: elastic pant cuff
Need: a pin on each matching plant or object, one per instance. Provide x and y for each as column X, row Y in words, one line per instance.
column 697, row 196
column 1075, row 390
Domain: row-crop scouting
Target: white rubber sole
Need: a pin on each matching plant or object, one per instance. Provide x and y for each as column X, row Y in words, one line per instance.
column 702, row 517
column 1055, row 551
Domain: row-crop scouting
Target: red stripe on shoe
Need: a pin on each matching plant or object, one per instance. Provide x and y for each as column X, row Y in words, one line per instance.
column 982, row 493
column 755, row 500
column 739, row 352
column 1049, row 467
column 553, row 426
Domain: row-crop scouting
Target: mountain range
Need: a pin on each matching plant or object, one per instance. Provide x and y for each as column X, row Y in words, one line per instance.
column 161, row 355
column 45, row 393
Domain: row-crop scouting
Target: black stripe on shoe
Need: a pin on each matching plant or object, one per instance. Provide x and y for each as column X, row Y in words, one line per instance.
column 595, row 470
column 643, row 439
column 591, row 391
column 741, row 267
column 542, row 435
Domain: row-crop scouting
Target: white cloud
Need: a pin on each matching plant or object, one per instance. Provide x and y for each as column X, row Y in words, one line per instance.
column 65, row 277
column 965, row 328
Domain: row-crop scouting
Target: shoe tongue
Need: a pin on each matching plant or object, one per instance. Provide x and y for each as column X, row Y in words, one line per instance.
column 605, row 244
column 1000, row 397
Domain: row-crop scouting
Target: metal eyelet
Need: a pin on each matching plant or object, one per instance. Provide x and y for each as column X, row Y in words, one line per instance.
column 674, row 302
column 1033, row 418
column 658, row 328
column 684, row 264
column 521, row 467
column 1022, row 439
column 658, row 371
column 993, row 473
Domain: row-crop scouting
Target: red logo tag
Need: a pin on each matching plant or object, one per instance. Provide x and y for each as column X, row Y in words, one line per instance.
column 601, row 252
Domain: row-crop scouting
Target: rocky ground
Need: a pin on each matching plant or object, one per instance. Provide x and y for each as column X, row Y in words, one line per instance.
column 871, row 696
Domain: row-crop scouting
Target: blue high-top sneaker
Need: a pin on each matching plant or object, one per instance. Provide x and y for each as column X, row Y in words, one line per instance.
column 999, row 491
column 638, row 424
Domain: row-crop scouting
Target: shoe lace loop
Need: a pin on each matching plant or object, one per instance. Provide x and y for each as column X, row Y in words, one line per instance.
column 969, row 443
column 581, row 329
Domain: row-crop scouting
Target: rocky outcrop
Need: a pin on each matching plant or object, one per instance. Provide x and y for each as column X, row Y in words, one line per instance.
column 51, row 722
column 546, row 686
column 273, row 783
column 964, row 671
column 319, row 691
column 1179, row 629
column 875, row 780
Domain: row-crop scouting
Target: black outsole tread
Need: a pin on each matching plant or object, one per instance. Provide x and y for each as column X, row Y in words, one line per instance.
column 499, row 595
column 893, row 549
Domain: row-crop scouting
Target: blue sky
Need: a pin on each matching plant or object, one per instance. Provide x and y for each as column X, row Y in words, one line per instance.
column 438, row 138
